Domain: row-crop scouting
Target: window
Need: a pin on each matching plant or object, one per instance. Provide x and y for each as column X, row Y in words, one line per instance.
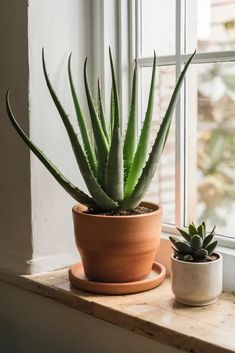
column 196, row 177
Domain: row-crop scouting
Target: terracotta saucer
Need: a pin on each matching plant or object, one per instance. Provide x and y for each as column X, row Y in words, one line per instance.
column 79, row 280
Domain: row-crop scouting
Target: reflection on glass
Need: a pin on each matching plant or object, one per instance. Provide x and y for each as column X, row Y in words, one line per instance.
column 214, row 27
column 162, row 189
column 216, row 146
column 157, row 23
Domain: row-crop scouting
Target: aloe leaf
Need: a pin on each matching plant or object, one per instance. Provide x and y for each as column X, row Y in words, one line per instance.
column 114, row 169
column 111, row 114
column 102, row 146
column 131, row 132
column 136, row 196
column 82, row 124
column 72, row 190
column 101, row 113
column 142, row 149
column 101, row 198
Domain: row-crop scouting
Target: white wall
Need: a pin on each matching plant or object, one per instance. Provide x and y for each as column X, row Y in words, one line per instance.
column 60, row 27
column 35, row 213
column 40, row 324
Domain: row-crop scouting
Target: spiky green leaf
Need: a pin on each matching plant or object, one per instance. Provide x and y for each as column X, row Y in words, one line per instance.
column 213, row 230
column 101, row 114
column 178, row 254
column 204, row 229
column 82, row 124
column 211, row 247
column 131, row 132
column 192, row 229
column 208, row 239
column 148, row 172
column 200, row 230
column 111, row 124
column 173, row 239
column 102, row 146
column 114, row 170
column 183, row 248
column 142, row 148
column 185, row 235
column 72, row 190
column 98, row 194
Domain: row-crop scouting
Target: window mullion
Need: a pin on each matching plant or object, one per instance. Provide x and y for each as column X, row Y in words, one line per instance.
column 137, row 27
column 124, row 64
column 179, row 120
column 210, row 57
column 161, row 61
column 138, row 7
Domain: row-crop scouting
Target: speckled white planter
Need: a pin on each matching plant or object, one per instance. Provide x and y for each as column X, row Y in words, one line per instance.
column 198, row 283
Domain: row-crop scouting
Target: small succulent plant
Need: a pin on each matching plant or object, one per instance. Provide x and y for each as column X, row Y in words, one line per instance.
column 197, row 246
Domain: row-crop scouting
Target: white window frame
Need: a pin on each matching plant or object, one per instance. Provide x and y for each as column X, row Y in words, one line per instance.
column 179, row 59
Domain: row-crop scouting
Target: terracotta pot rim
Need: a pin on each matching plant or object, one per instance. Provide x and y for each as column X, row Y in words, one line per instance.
column 198, row 263
column 157, row 210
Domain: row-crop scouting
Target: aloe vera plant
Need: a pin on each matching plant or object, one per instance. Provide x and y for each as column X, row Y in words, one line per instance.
column 196, row 245
column 117, row 169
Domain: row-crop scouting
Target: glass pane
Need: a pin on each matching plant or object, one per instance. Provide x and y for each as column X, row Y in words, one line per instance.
column 213, row 28
column 215, row 146
column 162, row 189
column 157, row 27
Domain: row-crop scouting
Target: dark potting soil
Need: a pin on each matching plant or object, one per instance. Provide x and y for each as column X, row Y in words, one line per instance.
column 137, row 211
column 207, row 259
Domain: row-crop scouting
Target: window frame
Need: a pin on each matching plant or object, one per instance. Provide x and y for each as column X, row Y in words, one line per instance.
column 178, row 59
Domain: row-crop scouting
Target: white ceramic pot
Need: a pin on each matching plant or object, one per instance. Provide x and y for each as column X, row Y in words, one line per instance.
column 196, row 283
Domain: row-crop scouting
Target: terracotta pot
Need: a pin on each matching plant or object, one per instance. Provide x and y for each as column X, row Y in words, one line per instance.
column 196, row 283
column 117, row 248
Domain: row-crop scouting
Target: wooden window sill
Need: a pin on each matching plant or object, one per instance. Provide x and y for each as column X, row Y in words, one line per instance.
column 153, row 313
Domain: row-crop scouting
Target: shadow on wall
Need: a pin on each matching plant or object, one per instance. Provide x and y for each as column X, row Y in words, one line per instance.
column 30, row 323
column 8, row 336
